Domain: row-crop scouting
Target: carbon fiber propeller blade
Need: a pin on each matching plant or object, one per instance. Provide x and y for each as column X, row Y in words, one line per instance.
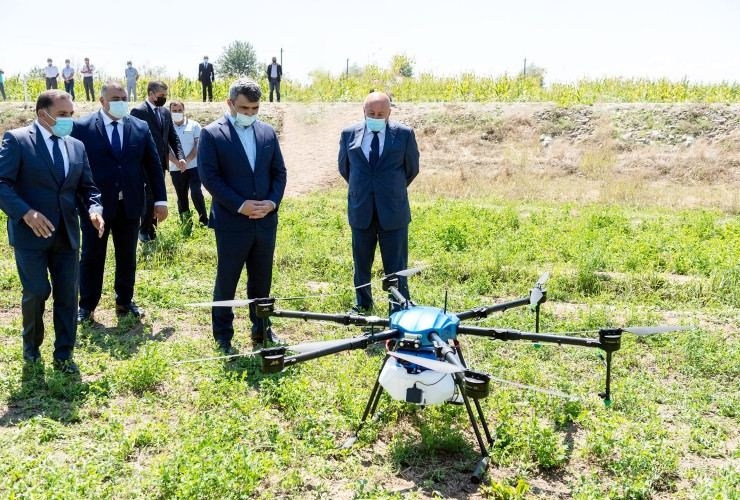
column 536, row 294
column 541, row 390
column 315, row 346
column 431, row 364
column 224, row 303
column 643, row 331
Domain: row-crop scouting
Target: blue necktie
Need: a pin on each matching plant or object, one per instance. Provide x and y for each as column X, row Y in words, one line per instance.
column 158, row 112
column 115, row 141
column 374, row 150
column 58, row 158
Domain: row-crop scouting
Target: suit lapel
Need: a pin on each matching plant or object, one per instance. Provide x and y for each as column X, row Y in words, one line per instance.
column 230, row 133
column 38, row 140
column 390, row 137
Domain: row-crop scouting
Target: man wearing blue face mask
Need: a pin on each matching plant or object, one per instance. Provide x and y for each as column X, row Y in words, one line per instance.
column 240, row 164
column 378, row 158
column 123, row 157
column 44, row 173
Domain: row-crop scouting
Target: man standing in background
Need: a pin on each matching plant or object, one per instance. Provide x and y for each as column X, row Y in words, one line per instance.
column 68, row 75
column 378, row 158
column 274, row 74
column 206, row 76
column 52, row 73
column 87, row 79
column 123, row 158
column 2, row 84
column 188, row 131
column 159, row 118
column 132, row 76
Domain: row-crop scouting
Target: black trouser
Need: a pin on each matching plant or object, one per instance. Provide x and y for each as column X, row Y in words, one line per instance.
column 275, row 85
column 59, row 260
column 87, row 81
column 189, row 180
column 92, row 261
column 2, row 90
column 207, row 88
column 148, row 222
column 69, row 87
column 51, row 83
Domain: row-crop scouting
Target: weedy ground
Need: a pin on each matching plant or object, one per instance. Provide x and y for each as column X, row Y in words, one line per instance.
column 494, row 207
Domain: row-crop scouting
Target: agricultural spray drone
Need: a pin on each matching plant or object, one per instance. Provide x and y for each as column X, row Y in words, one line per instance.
column 423, row 363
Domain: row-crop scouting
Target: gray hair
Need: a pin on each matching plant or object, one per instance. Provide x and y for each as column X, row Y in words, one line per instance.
column 246, row 87
column 111, row 84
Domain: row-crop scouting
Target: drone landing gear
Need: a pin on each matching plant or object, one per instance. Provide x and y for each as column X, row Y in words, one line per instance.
column 470, row 386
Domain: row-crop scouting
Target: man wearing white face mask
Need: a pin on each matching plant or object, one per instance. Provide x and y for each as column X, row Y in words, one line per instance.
column 187, row 179
column 240, row 164
column 44, row 174
column 123, row 157
column 378, row 158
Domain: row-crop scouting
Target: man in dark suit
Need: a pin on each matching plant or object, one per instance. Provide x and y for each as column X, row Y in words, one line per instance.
column 274, row 74
column 122, row 158
column 206, row 77
column 241, row 165
column 379, row 159
column 43, row 175
column 159, row 118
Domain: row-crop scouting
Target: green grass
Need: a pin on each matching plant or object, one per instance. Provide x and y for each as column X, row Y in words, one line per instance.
column 137, row 425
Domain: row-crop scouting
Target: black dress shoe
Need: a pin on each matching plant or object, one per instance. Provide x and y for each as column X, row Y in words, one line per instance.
column 359, row 311
column 84, row 315
column 268, row 337
column 130, row 308
column 226, row 349
column 67, row 366
column 31, row 355
column 146, row 236
column 203, row 220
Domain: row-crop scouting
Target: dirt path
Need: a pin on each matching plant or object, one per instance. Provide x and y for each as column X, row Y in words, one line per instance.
column 310, row 142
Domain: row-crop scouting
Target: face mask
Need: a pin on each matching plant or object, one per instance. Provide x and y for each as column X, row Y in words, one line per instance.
column 118, row 109
column 178, row 117
column 62, row 126
column 375, row 124
column 205, row 60
column 245, row 120
column 128, row 66
column 159, row 101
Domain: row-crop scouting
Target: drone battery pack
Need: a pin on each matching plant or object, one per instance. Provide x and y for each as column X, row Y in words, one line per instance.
column 413, row 395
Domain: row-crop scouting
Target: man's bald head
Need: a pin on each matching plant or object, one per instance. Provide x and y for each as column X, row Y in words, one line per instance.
column 377, row 105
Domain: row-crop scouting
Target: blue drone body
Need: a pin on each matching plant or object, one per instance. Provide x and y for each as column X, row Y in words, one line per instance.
column 417, row 322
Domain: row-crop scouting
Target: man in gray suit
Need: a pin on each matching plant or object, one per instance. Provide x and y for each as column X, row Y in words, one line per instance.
column 379, row 159
column 43, row 174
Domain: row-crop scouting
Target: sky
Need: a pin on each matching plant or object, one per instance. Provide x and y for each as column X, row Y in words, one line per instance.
column 569, row 39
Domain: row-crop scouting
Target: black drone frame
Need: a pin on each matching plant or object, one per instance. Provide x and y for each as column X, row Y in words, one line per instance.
column 470, row 385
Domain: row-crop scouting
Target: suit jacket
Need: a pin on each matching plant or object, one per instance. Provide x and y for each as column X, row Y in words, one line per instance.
column 205, row 73
column 279, row 71
column 381, row 190
column 225, row 172
column 28, row 181
column 139, row 164
column 164, row 135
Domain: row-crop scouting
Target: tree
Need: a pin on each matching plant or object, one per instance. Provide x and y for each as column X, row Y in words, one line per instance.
column 533, row 71
column 238, row 59
column 402, row 65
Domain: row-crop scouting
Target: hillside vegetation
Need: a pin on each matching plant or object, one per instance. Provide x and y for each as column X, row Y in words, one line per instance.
column 633, row 208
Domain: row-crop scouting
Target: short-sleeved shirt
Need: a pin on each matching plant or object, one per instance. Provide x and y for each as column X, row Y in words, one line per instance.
column 131, row 74
column 188, row 132
column 51, row 71
column 68, row 72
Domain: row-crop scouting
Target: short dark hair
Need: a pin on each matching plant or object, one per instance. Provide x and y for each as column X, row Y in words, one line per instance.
column 111, row 84
column 246, row 87
column 46, row 98
column 156, row 86
column 175, row 101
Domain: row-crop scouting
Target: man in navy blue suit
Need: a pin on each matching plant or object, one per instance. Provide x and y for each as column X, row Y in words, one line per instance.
column 379, row 159
column 123, row 157
column 44, row 173
column 240, row 164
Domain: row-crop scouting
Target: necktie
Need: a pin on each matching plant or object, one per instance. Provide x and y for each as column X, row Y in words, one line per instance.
column 115, row 141
column 57, row 157
column 374, row 150
column 158, row 112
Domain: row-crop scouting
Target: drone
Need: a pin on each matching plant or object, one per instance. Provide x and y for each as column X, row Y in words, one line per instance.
column 423, row 363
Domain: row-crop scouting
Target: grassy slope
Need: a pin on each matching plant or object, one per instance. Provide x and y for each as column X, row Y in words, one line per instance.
column 137, row 425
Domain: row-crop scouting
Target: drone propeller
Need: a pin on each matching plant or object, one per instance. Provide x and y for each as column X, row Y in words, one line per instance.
column 403, row 272
column 224, row 303
column 533, row 388
column 644, row 331
column 431, row 364
column 315, row 346
column 216, row 358
column 536, row 294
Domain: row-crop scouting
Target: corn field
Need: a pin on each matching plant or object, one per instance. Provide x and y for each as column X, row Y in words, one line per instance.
column 430, row 88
